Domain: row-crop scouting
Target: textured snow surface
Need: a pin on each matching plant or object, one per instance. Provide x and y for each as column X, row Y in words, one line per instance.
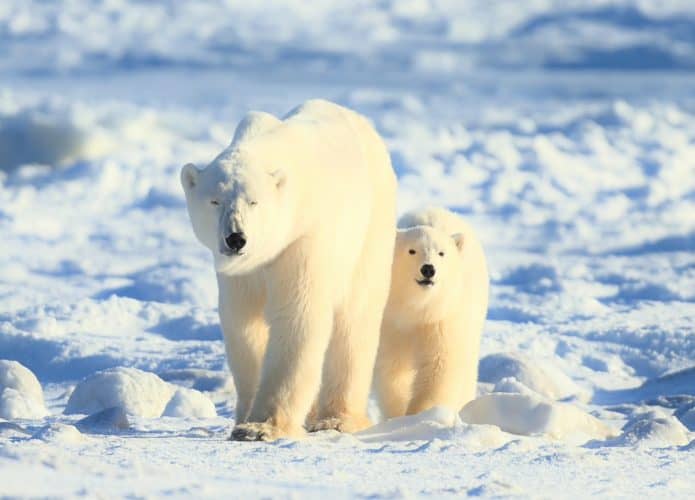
column 427, row 36
column 564, row 131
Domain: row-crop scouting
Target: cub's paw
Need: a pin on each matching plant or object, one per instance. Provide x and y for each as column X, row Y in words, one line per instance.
column 262, row 431
column 341, row 424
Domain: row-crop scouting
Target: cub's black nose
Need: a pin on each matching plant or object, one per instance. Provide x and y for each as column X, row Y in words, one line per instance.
column 427, row 270
column 235, row 241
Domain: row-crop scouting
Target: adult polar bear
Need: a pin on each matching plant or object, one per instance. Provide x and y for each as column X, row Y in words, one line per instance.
column 300, row 215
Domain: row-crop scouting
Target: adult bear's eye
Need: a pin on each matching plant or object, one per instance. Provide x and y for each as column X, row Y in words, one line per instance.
column 441, row 254
column 214, row 202
column 253, row 203
column 411, row 251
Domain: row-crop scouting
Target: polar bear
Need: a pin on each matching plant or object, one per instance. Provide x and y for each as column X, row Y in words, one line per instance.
column 430, row 336
column 299, row 214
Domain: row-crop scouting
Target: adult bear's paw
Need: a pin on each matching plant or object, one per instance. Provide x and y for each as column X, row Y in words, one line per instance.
column 344, row 423
column 262, row 431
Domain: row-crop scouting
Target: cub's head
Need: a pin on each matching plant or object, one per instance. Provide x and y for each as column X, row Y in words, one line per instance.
column 239, row 209
column 426, row 265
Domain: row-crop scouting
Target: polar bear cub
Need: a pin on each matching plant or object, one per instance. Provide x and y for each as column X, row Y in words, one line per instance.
column 430, row 334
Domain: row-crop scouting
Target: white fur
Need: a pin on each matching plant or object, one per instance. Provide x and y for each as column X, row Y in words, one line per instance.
column 314, row 195
column 430, row 337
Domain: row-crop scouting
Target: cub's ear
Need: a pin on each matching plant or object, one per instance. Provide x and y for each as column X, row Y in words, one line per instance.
column 280, row 178
column 189, row 176
column 458, row 240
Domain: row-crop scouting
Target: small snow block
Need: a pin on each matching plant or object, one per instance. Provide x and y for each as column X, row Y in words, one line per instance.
column 109, row 420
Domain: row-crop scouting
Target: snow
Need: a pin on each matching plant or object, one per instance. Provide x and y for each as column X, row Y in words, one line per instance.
column 530, row 415
column 653, row 429
column 563, row 130
column 507, row 370
column 138, row 393
column 57, row 433
column 112, row 419
column 21, row 396
column 189, row 403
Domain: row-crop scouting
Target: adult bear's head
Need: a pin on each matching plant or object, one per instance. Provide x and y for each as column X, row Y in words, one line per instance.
column 239, row 205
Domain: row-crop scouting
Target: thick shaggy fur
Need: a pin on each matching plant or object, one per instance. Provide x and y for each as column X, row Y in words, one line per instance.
column 301, row 304
column 430, row 336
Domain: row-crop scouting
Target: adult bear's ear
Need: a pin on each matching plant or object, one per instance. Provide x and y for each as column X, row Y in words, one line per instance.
column 189, row 176
column 458, row 240
column 279, row 177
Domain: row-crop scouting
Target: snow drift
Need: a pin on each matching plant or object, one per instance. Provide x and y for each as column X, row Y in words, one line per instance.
column 21, row 395
column 139, row 393
column 530, row 415
column 507, row 370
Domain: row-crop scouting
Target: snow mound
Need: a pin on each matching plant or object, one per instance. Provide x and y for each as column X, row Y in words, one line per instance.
column 110, row 419
column 190, row 403
column 435, row 423
column 59, row 433
column 439, row 423
column 529, row 415
column 653, row 430
column 138, row 392
column 21, row 395
column 482, row 437
column 510, row 371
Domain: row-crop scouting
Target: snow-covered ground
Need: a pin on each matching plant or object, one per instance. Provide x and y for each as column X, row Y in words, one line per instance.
column 564, row 130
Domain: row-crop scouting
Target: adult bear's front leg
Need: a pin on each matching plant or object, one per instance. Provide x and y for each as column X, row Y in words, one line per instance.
column 348, row 372
column 300, row 315
column 241, row 302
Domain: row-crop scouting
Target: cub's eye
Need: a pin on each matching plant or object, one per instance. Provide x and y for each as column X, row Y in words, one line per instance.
column 253, row 203
column 441, row 254
column 411, row 251
column 214, row 202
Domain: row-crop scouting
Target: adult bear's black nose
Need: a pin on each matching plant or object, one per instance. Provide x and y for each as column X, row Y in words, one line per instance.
column 427, row 270
column 235, row 241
